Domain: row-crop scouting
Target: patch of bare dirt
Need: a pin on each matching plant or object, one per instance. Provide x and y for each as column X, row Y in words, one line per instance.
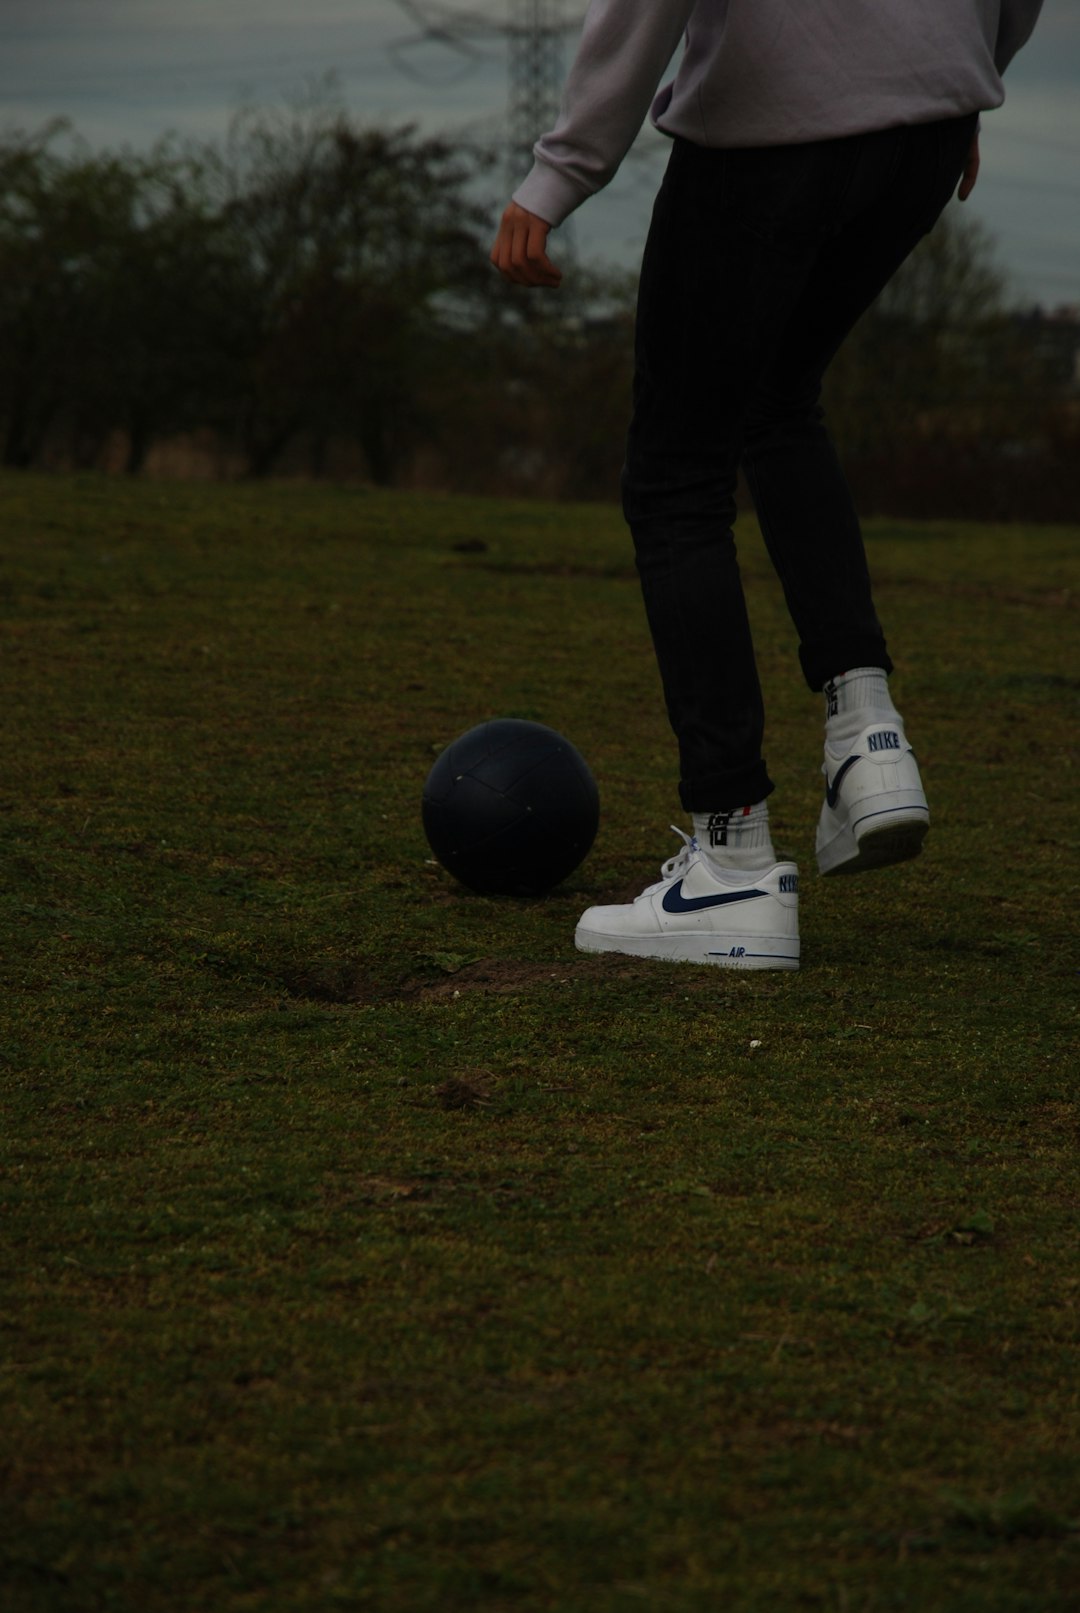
column 346, row 982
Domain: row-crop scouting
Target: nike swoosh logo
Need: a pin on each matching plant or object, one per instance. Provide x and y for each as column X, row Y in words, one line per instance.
column 675, row 902
column 832, row 791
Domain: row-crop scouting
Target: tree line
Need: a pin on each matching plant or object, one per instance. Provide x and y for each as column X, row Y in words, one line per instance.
column 312, row 296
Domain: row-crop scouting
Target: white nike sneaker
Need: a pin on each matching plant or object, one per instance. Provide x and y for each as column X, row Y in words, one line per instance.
column 698, row 913
column 875, row 812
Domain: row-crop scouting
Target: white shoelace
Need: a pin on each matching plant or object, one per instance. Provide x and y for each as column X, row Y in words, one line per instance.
column 676, row 866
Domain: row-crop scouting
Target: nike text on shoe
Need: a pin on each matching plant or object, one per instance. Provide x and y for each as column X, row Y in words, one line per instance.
column 875, row 812
column 698, row 913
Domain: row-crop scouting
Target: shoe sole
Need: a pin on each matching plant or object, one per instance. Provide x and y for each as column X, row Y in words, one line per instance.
column 719, row 952
column 896, row 838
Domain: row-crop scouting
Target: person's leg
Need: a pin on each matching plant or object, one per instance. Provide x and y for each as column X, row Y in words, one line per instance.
column 716, row 290
column 902, row 182
column 875, row 811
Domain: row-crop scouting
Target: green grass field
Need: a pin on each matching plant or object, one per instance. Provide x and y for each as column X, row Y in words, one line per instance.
column 364, row 1246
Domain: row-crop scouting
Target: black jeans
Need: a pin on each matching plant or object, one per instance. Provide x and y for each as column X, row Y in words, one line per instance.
column 757, row 265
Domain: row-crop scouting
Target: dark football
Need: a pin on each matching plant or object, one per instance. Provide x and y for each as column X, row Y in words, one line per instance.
column 510, row 808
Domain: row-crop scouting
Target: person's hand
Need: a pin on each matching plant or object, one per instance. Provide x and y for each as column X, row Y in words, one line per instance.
column 971, row 171
column 520, row 250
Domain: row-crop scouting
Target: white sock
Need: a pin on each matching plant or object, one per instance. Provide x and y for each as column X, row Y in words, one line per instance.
column 736, row 839
column 855, row 699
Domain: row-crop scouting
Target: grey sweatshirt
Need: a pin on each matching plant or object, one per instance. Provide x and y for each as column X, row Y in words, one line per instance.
column 766, row 73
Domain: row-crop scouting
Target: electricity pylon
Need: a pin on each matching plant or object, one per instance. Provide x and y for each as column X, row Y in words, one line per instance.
column 535, row 69
column 533, row 31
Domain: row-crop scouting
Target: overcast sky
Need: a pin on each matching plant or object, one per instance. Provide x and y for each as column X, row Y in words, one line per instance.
column 127, row 71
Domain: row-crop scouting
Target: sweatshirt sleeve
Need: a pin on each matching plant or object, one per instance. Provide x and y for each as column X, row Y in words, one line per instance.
column 1015, row 26
column 625, row 46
